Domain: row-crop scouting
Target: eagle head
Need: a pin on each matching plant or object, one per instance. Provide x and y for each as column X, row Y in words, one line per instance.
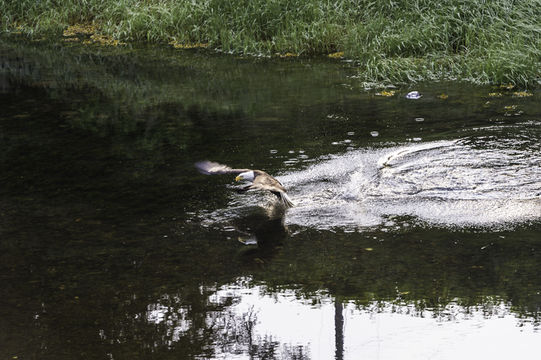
column 248, row 175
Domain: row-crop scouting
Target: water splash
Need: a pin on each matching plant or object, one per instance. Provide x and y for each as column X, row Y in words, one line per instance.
column 485, row 181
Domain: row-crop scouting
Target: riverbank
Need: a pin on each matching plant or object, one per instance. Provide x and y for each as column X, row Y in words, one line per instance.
column 391, row 41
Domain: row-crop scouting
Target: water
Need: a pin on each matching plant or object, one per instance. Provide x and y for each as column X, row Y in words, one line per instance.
column 410, row 237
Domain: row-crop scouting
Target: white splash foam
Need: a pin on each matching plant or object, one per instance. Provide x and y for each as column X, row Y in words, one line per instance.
column 453, row 183
column 485, row 181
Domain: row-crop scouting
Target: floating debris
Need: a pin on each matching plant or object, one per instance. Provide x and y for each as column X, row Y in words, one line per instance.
column 337, row 117
column 386, row 93
column 419, row 119
column 414, row 95
column 522, row 94
column 518, row 113
column 89, row 32
column 104, row 40
column 507, row 86
column 247, row 241
column 336, row 55
column 374, row 133
column 511, row 110
column 288, row 55
column 79, row 29
column 443, row 96
column 178, row 45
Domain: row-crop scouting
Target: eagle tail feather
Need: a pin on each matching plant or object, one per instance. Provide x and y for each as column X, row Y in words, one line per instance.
column 286, row 200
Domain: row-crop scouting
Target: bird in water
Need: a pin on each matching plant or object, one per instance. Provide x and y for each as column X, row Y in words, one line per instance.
column 260, row 180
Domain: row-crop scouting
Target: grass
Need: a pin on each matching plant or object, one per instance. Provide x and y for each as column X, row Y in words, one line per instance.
column 393, row 41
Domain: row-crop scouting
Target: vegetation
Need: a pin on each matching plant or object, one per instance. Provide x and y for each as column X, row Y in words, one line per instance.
column 393, row 41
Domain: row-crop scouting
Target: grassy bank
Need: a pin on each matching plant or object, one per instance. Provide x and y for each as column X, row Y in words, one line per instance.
column 393, row 41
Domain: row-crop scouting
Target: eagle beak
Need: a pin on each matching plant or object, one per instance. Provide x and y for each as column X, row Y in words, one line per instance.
column 238, row 178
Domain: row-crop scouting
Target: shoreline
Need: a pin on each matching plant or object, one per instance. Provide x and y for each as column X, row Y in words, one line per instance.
column 393, row 42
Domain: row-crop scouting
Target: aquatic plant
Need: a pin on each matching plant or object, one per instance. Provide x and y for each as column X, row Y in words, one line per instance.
column 392, row 41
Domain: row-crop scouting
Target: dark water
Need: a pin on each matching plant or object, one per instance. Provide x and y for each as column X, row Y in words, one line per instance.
column 416, row 233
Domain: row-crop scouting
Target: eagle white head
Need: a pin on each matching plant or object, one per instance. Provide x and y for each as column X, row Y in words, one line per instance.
column 248, row 175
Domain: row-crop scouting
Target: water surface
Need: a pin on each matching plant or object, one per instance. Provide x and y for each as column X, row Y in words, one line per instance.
column 415, row 232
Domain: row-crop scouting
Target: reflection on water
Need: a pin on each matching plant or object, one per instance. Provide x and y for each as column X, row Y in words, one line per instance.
column 416, row 230
column 260, row 323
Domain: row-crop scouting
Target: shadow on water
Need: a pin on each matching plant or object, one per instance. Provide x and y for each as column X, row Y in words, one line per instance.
column 421, row 216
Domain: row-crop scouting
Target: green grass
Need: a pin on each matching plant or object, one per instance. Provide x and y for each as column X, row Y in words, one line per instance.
column 392, row 41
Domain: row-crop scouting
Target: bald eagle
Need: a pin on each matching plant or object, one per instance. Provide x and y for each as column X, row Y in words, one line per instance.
column 260, row 180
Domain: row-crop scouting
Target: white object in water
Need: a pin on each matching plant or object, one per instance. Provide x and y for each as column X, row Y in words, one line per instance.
column 413, row 95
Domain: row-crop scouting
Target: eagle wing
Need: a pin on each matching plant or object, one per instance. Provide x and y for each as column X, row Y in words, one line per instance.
column 266, row 182
column 213, row 168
